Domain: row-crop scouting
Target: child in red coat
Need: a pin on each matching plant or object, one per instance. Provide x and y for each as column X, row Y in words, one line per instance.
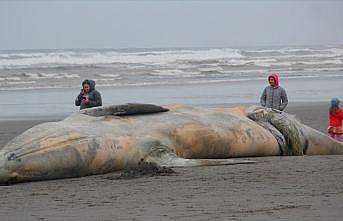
column 335, row 128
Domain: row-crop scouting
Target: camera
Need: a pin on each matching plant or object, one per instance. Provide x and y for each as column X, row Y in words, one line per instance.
column 84, row 98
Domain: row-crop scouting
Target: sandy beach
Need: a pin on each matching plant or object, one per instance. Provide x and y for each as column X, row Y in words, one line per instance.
column 274, row 188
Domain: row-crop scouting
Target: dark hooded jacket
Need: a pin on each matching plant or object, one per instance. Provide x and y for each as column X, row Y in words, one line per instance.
column 94, row 97
column 274, row 97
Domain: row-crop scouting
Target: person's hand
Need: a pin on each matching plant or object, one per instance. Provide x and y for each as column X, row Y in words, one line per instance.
column 82, row 91
column 84, row 99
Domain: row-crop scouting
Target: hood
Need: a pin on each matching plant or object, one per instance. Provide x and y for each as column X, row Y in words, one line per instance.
column 334, row 101
column 92, row 85
column 276, row 78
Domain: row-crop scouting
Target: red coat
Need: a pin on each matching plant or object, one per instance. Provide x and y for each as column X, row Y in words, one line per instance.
column 336, row 118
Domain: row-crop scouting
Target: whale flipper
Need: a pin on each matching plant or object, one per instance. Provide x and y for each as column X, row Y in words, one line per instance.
column 124, row 110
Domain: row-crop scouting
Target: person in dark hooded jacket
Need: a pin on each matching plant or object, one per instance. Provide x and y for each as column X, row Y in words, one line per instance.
column 88, row 97
column 274, row 96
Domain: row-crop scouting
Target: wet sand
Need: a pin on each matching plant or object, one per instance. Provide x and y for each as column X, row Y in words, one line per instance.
column 275, row 188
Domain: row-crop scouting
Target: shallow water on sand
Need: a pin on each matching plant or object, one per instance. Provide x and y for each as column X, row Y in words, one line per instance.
column 60, row 102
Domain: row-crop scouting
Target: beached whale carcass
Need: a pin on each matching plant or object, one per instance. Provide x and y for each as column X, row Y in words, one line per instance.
column 105, row 139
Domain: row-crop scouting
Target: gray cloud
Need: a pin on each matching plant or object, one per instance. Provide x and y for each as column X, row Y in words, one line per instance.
column 130, row 24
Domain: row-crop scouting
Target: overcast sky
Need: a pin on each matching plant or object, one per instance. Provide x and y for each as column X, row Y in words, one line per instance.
column 151, row 24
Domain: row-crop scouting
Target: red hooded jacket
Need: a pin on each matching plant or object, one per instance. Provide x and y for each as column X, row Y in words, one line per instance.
column 336, row 118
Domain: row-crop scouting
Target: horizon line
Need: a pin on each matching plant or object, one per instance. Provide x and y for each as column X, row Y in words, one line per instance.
column 177, row 47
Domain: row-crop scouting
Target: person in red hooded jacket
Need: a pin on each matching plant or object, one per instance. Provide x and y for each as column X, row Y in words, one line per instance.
column 335, row 128
column 274, row 96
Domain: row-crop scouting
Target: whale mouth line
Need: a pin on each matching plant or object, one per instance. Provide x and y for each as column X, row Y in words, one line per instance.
column 54, row 145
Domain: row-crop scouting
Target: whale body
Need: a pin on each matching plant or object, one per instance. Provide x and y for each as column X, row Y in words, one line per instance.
column 105, row 139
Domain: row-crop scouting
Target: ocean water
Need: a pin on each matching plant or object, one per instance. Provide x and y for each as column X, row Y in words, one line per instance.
column 36, row 82
column 34, row 69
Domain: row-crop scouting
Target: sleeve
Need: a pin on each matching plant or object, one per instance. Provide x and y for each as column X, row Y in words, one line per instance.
column 340, row 114
column 284, row 99
column 263, row 98
column 78, row 100
column 96, row 101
